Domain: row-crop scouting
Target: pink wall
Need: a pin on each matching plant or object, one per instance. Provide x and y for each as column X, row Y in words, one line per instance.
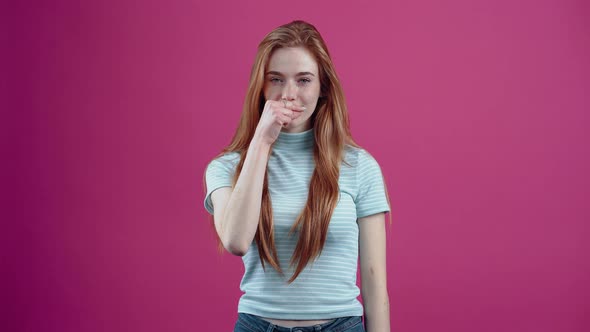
column 477, row 112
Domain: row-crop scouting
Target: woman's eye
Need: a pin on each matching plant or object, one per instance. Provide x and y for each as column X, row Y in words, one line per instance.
column 278, row 80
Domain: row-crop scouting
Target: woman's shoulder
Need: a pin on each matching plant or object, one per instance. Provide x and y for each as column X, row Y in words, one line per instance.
column 227, row 158
column 356, row 156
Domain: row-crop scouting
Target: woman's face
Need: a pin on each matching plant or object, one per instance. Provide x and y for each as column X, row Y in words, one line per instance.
column 292, row 73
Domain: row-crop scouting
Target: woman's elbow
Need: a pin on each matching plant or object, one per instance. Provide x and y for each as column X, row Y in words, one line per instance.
column 235, row 248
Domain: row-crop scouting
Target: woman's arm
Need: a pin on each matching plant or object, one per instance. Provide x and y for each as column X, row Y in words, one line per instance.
column 373, row 272
column 237, row 210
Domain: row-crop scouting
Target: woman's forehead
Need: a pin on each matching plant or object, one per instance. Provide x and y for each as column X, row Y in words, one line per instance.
column 291, row 61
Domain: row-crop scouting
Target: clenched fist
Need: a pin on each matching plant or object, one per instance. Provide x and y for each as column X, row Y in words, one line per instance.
column 276, row 115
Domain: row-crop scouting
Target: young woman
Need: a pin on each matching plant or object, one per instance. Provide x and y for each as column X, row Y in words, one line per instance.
column 298, row 199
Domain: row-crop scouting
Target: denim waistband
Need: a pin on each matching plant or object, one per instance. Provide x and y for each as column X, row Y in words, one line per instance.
column 255, row 324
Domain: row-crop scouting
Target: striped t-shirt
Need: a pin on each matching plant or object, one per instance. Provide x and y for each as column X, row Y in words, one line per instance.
column 326, row 288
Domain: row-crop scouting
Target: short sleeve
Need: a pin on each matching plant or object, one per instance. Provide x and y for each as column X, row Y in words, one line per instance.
column 219, row 173
column 370, row 198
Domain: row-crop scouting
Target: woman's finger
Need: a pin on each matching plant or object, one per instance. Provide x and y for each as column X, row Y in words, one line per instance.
column 284, row 119
column 292, row 114
column 291, row 105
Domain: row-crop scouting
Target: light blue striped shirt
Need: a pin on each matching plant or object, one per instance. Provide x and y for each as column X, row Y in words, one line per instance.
column 326, row 288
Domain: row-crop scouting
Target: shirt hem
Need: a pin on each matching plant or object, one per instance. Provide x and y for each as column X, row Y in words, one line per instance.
column 291, row 316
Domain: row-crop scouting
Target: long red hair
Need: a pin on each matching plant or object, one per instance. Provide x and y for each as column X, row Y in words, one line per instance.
column 332, row 134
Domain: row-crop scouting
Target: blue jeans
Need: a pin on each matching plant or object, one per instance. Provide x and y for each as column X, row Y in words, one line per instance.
column 251, row 323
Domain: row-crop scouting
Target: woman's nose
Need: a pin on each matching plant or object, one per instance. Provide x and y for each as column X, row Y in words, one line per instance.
column 289, row 91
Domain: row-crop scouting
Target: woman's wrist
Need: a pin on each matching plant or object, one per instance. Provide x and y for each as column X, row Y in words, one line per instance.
column 258, row 143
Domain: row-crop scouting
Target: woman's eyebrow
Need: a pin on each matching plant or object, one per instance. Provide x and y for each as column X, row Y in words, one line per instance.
column 303, row 73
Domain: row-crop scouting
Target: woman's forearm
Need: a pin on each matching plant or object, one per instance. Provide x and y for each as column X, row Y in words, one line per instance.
column 377, row 312
column 242, row 212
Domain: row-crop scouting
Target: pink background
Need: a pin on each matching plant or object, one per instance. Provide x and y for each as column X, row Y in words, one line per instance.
column 477, row 112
